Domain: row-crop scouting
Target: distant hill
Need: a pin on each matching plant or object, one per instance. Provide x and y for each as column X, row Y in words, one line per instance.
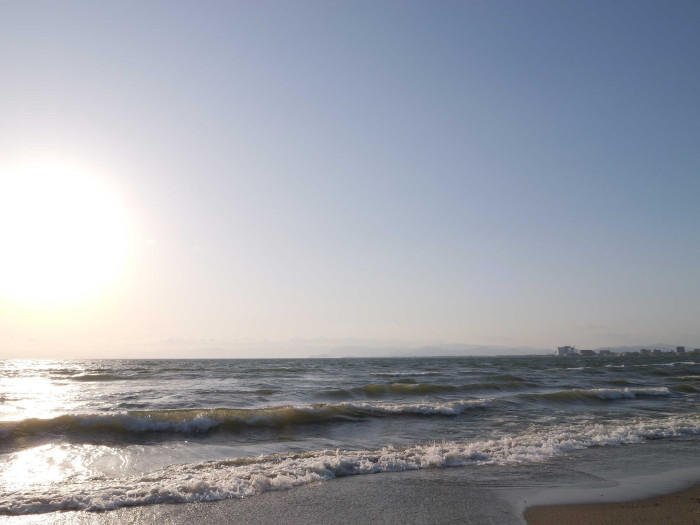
column 456, row 350
column 636, row 348
column 447, row 350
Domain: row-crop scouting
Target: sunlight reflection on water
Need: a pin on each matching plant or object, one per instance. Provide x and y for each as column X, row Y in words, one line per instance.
column 55, row 463
column 30, row 391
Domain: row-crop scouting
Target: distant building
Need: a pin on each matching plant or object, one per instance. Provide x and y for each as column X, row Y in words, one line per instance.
column 645, row 351
column 680, row 349
column 566, row 351
column 696, row 351
column 605, row 352
column 587, row 353
column 656, row 351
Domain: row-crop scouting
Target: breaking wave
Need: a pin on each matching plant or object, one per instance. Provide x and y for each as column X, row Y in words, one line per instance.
column 598, row 394
column 243, row 477
column 192, row 421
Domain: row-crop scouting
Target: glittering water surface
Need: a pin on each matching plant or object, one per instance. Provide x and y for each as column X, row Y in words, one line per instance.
column 106, row 433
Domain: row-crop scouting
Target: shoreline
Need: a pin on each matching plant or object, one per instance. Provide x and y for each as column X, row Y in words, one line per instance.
column 430, row 496
column 552, row 492
column 676, row 508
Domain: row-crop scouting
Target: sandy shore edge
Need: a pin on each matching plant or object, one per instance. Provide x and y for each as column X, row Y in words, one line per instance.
column 681, row 508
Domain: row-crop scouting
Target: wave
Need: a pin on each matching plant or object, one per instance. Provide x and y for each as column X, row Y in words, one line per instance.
column 620, row 382
column 183, row 373
column 244, row 477
column 505, row 377
column 400, row 387
column 660, row 372
column 177, row 369
column 401, row 374
column 62, row 371
column 667, row 369
column 193, row 421
column 284, row 369
column 685, row 387
column 408, row 387
column 101, row 377
column 598, row 394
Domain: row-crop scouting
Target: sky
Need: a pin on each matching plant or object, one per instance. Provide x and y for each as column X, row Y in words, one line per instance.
column 305, row 175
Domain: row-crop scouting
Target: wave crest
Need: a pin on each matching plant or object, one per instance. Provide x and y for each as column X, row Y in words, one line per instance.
column 243, row 477
column 406, row 387
column 230, row 419
column 598, row 394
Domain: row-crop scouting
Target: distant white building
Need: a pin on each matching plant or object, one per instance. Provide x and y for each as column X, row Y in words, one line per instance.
column 566, row 351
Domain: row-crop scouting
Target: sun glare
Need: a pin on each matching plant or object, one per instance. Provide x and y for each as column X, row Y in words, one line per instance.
column 63, row 234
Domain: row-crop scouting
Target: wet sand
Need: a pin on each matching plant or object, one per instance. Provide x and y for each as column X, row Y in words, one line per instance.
column 430, row 497
column 680, row 508
column 440, row 496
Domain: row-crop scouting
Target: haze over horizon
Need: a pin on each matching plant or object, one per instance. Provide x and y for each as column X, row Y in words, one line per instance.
column 260, row 179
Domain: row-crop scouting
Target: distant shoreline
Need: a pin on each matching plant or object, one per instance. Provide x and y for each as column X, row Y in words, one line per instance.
column 354, row 357
column 382, row 353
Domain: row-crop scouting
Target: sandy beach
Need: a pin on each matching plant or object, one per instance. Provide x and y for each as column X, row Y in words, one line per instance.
column 426, row 497
column 679, row 508
column 436, row 497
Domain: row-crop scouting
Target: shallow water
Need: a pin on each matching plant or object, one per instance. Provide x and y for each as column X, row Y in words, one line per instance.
column 102, row 434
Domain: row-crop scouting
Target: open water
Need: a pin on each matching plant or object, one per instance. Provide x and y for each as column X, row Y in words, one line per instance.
column 102, row 434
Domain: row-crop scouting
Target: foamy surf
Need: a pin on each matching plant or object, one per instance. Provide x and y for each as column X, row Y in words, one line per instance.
column 105, row 442
column 245, row 477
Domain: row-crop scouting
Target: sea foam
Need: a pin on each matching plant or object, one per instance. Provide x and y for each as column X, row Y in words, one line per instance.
column 243, row 477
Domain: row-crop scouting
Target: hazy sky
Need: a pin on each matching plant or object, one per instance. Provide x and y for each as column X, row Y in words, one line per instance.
column 501, row 173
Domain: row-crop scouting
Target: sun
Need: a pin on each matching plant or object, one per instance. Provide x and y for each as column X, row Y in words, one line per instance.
column 63, row 234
